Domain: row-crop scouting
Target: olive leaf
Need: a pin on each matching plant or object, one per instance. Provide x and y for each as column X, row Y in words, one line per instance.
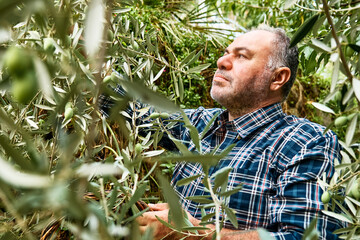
column 172, row 199
column 303, row 30
column 221, row 178
column 187, row 180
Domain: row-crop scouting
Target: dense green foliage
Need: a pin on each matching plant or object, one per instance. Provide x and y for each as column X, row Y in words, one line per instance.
column 66, row 171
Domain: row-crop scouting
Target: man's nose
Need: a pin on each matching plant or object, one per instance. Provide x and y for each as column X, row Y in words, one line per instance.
column 224, row 63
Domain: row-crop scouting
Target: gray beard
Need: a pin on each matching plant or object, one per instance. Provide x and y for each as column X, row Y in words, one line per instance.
column 251, row 98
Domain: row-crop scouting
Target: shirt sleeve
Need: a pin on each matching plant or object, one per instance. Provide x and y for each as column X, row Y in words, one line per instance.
column 298, row 195
column 173, row 125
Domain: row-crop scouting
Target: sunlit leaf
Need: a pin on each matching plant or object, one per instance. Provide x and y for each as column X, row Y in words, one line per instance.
column 94, row 27
column 44, row 80
column 335, row 75
column 289, row 3
column 98, row 169
column 350, row 131
column 153, row 153
column 158, row 74
column 337, row 216
column 320, row 45
column 9, row 174
column 356, row 86
column 199, row 68
column 348, row 95
column 323, row 107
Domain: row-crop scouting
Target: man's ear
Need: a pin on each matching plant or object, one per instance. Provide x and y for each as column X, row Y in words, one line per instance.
column 279, row 78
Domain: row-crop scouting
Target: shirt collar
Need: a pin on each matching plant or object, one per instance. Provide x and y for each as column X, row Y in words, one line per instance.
column 247, row 124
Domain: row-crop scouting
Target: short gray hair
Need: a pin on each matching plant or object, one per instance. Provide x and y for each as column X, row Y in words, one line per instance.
column 282, row 56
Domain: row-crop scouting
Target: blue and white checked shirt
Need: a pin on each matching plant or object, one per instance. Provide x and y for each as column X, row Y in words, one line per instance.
column 278, row 159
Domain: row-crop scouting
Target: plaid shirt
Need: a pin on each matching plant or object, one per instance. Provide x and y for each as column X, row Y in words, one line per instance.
column 278, row 159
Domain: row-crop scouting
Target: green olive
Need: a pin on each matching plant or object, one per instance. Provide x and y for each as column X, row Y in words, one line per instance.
column 114, row 77
column 338, row 96
column 68, row 105
column 340, row 121
column 24, row 88
column 349, row 51
column 138, row 148
column 354, row 190
column 17, row 61
column 164, row 115
column 107, row 79
column 110, row 35
column 49, row 45
column 325, row 197
column 69, row 113
column 154, row 115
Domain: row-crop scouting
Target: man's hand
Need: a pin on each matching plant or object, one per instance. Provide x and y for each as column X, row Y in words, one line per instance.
column 160, row 231
column 149, row 219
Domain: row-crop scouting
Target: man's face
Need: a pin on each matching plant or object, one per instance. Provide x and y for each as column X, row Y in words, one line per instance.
column 242, row 80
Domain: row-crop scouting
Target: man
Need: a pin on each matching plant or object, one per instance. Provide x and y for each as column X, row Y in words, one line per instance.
column 278, row 158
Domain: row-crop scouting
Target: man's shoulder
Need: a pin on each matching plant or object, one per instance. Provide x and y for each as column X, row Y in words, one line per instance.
column 305, row 127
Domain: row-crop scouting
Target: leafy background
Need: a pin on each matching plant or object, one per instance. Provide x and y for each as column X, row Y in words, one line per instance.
column 67, row 172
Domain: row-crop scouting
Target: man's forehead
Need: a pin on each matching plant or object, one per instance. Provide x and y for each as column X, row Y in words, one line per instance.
column 256, row 39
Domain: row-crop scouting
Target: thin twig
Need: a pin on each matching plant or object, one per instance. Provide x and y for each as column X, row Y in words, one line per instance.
column 217, row 210
column 102, row 191
column 345, row 9
column 308, row 9
column 338, row 44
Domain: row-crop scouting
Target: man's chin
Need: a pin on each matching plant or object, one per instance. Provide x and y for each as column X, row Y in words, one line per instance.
column 219, row 98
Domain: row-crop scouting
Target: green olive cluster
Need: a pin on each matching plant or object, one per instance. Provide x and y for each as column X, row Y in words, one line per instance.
column 19, row 64
column 342, row 120
column 156, row 115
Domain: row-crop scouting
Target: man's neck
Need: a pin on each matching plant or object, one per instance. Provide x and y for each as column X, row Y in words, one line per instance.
column 236, row 113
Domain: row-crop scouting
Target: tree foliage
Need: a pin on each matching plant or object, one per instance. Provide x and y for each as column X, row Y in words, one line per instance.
column 65, row 170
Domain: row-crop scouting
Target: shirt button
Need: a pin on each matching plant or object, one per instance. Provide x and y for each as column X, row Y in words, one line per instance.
column 238, row 137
